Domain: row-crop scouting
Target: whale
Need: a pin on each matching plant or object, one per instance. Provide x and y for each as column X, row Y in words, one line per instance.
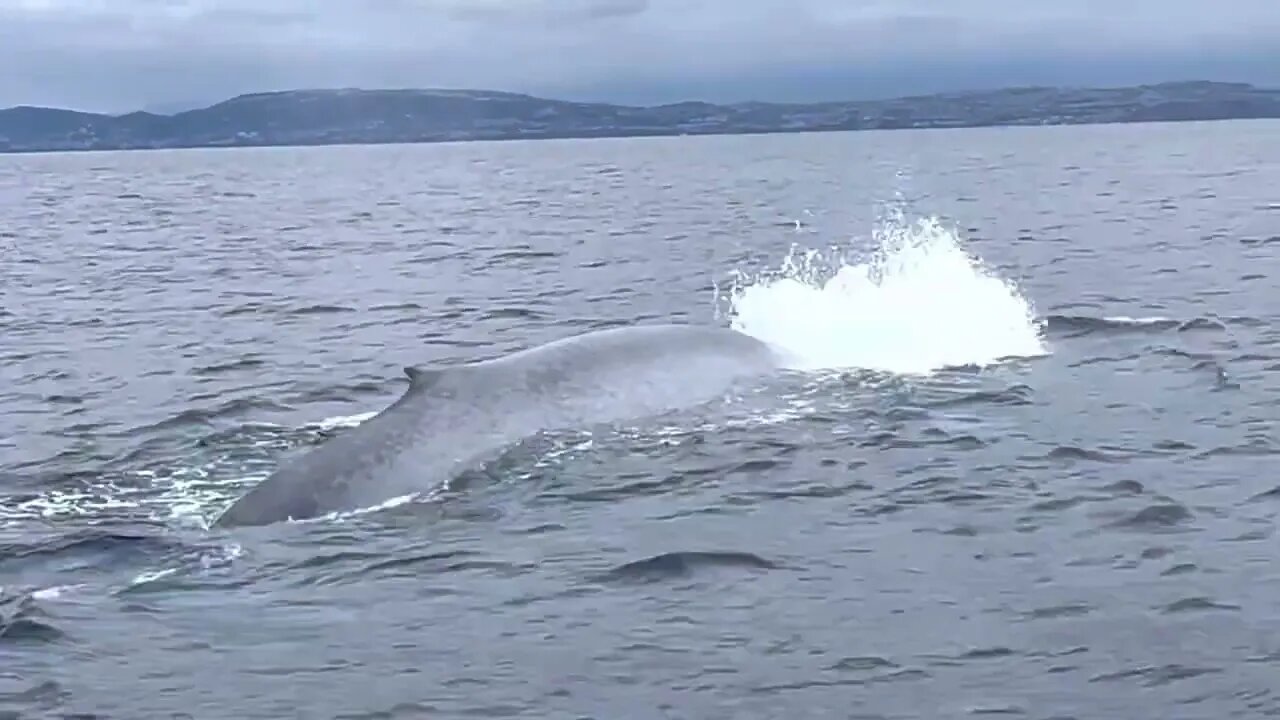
column 453, row 417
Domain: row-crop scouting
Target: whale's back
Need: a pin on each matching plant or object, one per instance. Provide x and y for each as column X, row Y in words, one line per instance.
column 622, row 373
column 450, row 417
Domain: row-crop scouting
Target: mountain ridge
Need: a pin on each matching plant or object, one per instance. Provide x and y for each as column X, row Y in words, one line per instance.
column 324, row 116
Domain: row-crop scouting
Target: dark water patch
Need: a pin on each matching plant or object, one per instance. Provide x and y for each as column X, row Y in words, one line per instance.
column 862, row 664
column 513, row 313
column 65, row 399
column 395, row 307
column 1263, row 533
column 42, row 697
column 243, row 436
column 1155, row 676
column 941, row 489
column 430, row 568
column 931, row 436
column 86, row 547
column 1254, row 447
column 1271, row 495
column 1072, row 453
column 1072, row 326
column 1254, row 357
column 960, row 442
column 398, row 711
column 894, row 675
column 244, row 362
column 539, row 529
column 730, row 505
column 343, row 392
column 1197, row 604
column 252, row 308
column 1054, row 612
column 1162, row 516
column 1011, row 396
column 431, row 258
column 975, row 654
column 522, row 254
column 963, row 497
column 683, row 564
column 1124, row 488
column 628, row 485
column 1172, row 446
column 985, row 653
column 815, row 490
column 752, row 467
column 320, row 309
column 930, row 484
column 235, row 407
column 341, row 557
column 1260, row 241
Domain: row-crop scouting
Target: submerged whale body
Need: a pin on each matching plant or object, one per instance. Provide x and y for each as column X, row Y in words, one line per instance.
column 451, row 417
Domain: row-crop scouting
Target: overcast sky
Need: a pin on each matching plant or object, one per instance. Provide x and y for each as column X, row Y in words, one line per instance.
column 118, row 55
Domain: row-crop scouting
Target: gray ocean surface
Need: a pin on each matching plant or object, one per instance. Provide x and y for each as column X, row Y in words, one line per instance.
column 1082, row 532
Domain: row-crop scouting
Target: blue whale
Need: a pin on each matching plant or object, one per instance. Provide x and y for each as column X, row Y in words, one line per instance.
column 452, row 417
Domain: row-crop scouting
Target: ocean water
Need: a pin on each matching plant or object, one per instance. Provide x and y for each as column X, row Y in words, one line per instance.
column 1026, row 463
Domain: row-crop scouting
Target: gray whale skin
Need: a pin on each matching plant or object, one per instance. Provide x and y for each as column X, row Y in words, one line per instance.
column 450, row 417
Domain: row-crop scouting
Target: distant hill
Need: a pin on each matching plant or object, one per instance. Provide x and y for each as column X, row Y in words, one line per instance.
column 351, row 116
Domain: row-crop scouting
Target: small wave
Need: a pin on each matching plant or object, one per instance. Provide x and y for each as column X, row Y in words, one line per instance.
column 95, row 542
column 920, row 304
column 339, row 392
column 513, row 313
column 1071, row 453
column 1162, row 516
column 1081, row 325
column 395, row 307
column 1198, row 604
column 186, row 492
column 320, row 309
column 245, row 362
column 22, row 620
column 1121, row 321
column 684, row 563
column 206, row 415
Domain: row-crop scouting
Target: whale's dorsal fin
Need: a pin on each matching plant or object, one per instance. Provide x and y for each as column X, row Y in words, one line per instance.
column 420, row 377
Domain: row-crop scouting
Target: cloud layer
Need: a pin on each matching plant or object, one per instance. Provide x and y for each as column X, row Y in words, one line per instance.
column 117, row 55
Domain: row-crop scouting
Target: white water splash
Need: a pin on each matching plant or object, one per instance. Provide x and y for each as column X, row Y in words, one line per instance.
column 190, row 494
column 344, row 421
column 920, row 304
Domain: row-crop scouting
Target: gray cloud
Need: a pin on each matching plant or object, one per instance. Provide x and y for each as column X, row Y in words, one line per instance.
column 117, row 55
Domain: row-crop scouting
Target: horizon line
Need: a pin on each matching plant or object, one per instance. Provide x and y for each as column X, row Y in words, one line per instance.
column 478, row 90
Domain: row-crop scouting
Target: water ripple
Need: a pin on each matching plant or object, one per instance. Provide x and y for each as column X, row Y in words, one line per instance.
column 1081, row 532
